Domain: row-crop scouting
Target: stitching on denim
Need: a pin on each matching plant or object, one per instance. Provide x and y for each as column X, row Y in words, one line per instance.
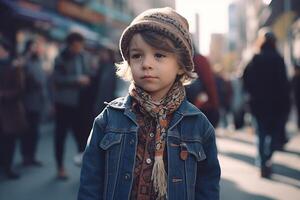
column 177, row 180
column 132, row 169
column 121, row 130
column 106, row 175
column 208, row 133
column 118, row 167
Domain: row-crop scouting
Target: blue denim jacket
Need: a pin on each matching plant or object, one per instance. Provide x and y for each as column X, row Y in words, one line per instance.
column 109, row 158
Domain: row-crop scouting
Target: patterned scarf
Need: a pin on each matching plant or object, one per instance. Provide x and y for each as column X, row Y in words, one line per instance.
column 159, row 112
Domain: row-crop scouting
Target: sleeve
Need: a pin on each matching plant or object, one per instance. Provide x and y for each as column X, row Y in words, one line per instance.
column 92, row 171
column 208, row 171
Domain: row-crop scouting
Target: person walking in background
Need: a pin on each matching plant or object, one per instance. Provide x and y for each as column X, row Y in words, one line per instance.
column 34, row 98
column 152, row 144
column 224, row 92
column 238, row 105
column 70, row 75
column 12, row 113
column 101, row 89
column 265, row 80
column 203, row 92
column 296, row 90
column 106, row 76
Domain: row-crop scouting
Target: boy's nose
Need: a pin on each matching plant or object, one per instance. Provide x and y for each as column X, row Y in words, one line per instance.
column 147, row 63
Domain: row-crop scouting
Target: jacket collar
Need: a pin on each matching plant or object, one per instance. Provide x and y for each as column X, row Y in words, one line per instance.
column 124, row 103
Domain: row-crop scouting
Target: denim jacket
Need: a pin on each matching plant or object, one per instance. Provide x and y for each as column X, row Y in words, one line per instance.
column 109, row 158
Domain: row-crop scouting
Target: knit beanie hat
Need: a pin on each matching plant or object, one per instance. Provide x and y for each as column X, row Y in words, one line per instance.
column 165, row 21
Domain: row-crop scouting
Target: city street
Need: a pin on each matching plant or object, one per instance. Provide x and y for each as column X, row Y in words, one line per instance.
column 240, row 177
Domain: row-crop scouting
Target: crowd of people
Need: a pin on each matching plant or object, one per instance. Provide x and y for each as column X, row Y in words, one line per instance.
column 31, row 95
column 263, row 90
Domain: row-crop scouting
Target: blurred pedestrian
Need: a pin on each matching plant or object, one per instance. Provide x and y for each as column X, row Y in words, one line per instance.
column 101, row 89
column 296, row 90
column 265, row 79
column 34, row 99
column 70, row 75
column 12, row 113
column 203, row 91
column 224, row 90
column 152, row 144
column 106, row 75
column 238, row 105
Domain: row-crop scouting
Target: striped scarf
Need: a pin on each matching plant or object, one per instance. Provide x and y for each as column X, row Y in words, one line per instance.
column 159, row 112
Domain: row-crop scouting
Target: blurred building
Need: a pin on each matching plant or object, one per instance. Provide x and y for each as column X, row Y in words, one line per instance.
column 236, row 26
column 218, row 47
column 196, row 33
column 143, row 5
column 248, row 16
column 100, row 21
column 282, row 19
column 245, row 17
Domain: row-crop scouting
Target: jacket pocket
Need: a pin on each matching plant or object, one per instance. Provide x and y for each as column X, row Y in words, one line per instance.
column 196, row 156
column 111, row 143
column 110, row 139
column 195, row 149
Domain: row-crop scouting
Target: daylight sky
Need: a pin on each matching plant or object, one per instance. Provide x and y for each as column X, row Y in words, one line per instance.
column 213, row 18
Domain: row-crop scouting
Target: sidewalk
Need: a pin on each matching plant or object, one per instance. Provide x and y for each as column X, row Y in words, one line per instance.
column 40, row 183
column 241, row 178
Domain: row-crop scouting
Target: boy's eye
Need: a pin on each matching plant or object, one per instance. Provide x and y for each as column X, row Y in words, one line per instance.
column 159, row 55
column 136, row 56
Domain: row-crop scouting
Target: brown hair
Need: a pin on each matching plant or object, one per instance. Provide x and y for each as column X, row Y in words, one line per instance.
column 161, row 42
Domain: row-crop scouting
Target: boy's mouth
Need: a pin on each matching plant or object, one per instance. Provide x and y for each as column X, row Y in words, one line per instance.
column 148, row 77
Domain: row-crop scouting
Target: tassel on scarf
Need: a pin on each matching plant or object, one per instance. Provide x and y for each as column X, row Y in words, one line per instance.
column 159, row 177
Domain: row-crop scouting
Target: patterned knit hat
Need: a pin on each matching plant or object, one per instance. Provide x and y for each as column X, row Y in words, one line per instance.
column 165, row 21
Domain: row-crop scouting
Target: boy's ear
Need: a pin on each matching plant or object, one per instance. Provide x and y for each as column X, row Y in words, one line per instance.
column 180, row 71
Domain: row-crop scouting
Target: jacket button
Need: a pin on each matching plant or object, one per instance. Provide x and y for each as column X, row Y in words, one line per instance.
column 148, row 161
column 151, row 135
column 127, row 176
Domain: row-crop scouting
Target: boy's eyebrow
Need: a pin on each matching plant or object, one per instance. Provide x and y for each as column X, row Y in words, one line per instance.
column 134, row 49
column 139, row 49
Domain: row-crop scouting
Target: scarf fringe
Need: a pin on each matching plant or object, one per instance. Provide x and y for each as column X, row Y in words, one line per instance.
column 159, row 177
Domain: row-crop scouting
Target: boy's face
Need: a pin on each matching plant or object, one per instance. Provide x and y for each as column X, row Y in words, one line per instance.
column 152, row 69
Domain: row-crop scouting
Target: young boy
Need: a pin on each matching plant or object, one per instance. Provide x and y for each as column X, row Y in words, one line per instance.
column 152, row 144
